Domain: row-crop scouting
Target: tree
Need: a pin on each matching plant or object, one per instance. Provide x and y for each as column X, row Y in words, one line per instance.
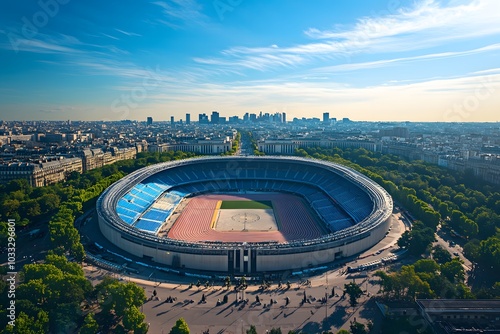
column 426, row 266
column 90, row 326
column 121, row 296
column 39, row 271
column 243, row 282
column 64, row 317
column 418, row 239
column 343, row 331
column 252, row 330
column 133, row 320
column 444, row 210
column 357, row 328
column 354, row 292
column 275, row 330
column 29, row 325
column 10, row 206
column 227, row 282
column 19, row 185
column 62, row 263
column 49, row 202
column 440, row 254
column 489, row 252
column 496, row 290
column 471, row 250
column 77, row 251
column 386, row 282
column 30, row 209
column 411, row 284
column 453, row 270
column 463, row 292
column 180, row 327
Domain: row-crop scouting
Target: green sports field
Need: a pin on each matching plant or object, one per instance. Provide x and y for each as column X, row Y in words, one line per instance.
column 246, row 205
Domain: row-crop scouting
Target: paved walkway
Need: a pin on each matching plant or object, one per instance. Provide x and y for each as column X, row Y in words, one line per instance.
column 235, row 317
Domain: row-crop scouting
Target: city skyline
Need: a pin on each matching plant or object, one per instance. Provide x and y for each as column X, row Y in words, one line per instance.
column 425, row 60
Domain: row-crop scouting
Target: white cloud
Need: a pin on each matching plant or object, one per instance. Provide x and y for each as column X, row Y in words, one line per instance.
column 180, row 11
column 386, row 62
column 424, row 16
column 427, row 24
column 110, row 36
column 38, row 46
column 128, row 33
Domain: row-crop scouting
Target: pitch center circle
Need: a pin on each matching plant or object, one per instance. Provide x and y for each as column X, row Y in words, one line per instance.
column 245, row 217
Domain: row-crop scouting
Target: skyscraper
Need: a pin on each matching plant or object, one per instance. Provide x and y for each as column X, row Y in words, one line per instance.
column 202, row 118
column 188, row 118
column 284, row 117
column 326, row 117
column 149, row 121
column 215, row 117
column 172, row 121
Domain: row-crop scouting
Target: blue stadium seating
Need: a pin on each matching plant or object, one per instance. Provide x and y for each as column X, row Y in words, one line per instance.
column 336, row 200
column 157, row 215
column 147, row 225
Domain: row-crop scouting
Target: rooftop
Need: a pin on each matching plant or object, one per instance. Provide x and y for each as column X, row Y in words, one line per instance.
column 460, row 304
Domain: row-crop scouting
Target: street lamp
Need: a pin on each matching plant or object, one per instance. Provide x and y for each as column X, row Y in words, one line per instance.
column 326, row 297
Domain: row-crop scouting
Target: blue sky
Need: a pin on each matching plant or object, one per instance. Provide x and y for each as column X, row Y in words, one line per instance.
column 390, row 60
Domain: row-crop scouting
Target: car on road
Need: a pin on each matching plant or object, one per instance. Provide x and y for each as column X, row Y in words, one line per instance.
column 456, row 254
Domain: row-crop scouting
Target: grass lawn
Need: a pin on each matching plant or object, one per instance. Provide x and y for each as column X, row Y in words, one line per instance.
column 246, row 205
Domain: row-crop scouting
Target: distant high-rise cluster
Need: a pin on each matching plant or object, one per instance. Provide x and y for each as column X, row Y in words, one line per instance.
column 216, row 118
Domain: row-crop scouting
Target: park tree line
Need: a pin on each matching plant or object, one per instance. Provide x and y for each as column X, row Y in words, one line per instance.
column 254, row 145
column 181, row 327
column 28, row 205
column 433, row 195
column 54, row 296
column 426, row 278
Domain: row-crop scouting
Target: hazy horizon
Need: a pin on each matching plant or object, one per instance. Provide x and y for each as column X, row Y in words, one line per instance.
column 389, row 61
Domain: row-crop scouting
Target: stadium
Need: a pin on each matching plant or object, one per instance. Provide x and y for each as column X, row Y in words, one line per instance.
column 244, row 214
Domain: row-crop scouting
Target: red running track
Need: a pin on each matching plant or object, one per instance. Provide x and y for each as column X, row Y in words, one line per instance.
column 296, row 222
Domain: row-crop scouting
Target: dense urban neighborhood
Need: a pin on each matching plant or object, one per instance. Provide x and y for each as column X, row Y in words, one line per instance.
column 441, row 246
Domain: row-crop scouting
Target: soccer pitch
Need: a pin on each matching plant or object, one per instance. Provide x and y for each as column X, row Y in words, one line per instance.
column 263, row 205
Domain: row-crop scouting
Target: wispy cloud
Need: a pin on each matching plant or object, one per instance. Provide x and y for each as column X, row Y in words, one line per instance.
column 128, row 33
column 39, row 46
column 177, row 12
column 62, row 44
column 387, row 62
column 489, row 71
column 426, row 24
column 110, row 36
column 427, row 14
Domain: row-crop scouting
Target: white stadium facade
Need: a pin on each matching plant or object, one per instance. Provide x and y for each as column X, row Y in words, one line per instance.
column 146, row 213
